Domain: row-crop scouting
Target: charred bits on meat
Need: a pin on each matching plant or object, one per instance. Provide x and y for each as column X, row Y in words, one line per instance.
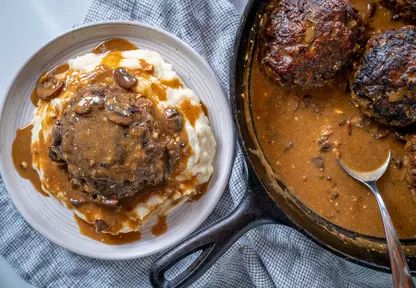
column 307, row 42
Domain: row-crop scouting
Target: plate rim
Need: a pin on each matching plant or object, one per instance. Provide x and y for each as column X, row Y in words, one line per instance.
column 212, row 204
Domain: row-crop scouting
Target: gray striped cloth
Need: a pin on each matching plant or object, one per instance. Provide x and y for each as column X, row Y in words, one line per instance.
column 269, row 256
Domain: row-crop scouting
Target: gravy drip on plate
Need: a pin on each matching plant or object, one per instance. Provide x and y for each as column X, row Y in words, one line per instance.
column 113, row 44
column 302, row 133
column 34, row 98
column 22, row 157
column 161, row 226
column 89, row 230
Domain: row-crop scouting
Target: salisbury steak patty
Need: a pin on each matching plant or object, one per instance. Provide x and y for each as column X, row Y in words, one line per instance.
column 384, row 84
column 113, row 142
column 306, row 42
column 405, row 9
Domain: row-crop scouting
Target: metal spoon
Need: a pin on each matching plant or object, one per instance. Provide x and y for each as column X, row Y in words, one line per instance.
column 400, row 270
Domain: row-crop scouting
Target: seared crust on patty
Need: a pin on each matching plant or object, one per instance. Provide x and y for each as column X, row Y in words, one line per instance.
column 404, row 9
column 410, row 163
column 384, row 84
column 306, row 42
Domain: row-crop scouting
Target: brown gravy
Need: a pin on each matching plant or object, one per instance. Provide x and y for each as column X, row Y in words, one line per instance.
column 118, row 44
column 289, row 126
column 22, row 157
column 161, row 226
column 191, row 112
column 34, row 98
column 89, row 230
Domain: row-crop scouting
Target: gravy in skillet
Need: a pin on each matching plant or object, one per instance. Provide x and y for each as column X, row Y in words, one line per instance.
column 303, row 132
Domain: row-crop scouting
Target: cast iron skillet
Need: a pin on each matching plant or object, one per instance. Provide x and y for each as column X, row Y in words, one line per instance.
column 266, row 199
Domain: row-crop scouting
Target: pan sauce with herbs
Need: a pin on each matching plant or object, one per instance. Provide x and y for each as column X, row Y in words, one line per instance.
column 303, row 132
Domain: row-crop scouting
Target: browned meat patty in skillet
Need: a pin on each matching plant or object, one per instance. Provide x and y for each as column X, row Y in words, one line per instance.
column 306, row 42
column 114, row 143
column 410, row 163
column 384, row 84
column 404, row 9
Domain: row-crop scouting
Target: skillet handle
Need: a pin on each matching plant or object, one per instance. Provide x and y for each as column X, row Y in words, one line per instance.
column 256, row 208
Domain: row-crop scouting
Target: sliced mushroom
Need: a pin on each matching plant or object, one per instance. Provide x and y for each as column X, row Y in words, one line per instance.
column 112, row 202
column 119, row 119
column 57, row 134
column 53, row 155
column 77, row 202
column 100, row 199
column 86, row 104
column 334, row 194
column 175, row 121
column 318, row 162
column 170, row 112
column 325, row 146
column 82, row 109
column 288, row 146
column 114, row 104
column 75, row 184
column 100, row 225
column 123, row 78
column 48, row 87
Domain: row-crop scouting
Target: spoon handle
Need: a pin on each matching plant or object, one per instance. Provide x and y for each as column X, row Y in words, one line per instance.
column 401, row 274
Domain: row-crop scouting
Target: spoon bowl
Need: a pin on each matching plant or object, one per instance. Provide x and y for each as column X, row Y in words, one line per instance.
column 368, row 176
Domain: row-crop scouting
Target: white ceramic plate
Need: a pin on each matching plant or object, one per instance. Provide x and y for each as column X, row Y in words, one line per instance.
column 51, row 219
